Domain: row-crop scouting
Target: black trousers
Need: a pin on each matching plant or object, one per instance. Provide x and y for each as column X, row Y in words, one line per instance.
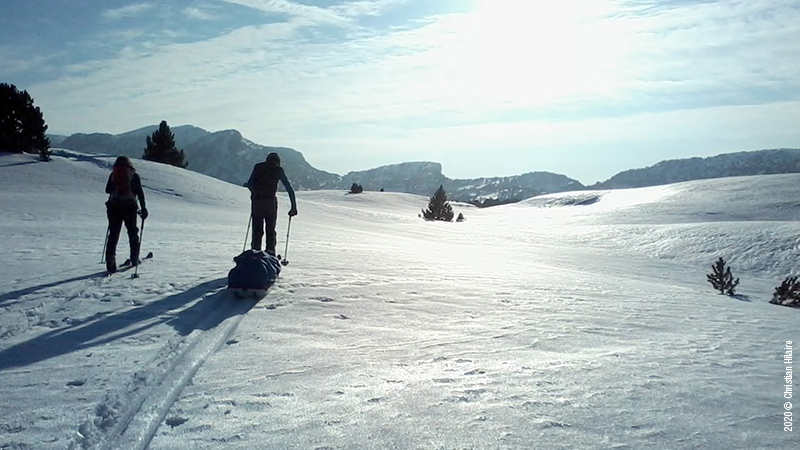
column 265, row 216
column 119, row 213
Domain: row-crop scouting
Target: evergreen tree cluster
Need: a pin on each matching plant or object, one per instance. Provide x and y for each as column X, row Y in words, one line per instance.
column 439, row 208
column 722, row 279
column 161, row 147
column 22, row 127
column 788, row 293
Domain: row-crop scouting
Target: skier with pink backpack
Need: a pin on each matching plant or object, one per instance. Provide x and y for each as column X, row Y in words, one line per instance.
column 124, row 187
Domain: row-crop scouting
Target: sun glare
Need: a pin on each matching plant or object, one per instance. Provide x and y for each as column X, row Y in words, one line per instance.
column 535, row 53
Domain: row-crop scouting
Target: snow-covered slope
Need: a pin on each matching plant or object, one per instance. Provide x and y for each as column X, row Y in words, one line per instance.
column 750, row 221
column 575, row 321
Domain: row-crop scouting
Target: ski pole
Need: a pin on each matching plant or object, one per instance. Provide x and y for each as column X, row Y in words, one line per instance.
column 244, row 246
column 105, row 243
column 141, row 236
column 286, row 252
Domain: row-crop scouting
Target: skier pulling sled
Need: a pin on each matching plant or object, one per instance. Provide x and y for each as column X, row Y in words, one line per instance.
column 254, row 273
column 257, row 270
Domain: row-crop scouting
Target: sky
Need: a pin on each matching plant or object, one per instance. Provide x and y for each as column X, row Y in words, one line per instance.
column 586, row 88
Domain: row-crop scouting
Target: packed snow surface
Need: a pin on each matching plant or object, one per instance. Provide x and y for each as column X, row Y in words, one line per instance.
column 577, row 320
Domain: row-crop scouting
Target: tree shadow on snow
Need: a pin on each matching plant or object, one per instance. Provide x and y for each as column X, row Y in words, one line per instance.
column 14, row 295
column 23, row 163
column 214, row 307
column 742, row 297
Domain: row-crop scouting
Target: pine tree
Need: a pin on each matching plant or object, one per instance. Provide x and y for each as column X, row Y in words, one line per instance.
column 161, row 147
column 722, row 279
column 22, row 127
column 788, row 293
column 439, row 208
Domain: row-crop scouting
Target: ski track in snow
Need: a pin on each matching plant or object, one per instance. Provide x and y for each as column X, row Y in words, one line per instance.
column 535, row 325
column 154, row 391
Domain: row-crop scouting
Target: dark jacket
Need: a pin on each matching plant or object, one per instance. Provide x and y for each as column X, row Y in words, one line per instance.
column 135, row 191
column 263, row 183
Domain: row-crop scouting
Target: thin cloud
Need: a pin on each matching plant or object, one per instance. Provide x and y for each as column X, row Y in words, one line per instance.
column 17, row 60
column 499, row 79
column 127, row 11
column 366, row 7
column 198, row 14
column 310, row 14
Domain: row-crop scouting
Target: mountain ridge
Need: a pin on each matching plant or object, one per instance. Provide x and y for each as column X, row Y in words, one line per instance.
column 229, row 156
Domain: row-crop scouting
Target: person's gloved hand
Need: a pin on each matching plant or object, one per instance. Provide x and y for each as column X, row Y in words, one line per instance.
column 143, row 213
column 292, row 212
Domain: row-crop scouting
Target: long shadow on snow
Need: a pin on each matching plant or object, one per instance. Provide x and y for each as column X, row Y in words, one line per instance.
column 24, row 163
column 93, row 159
column 205, row 314
column 19, row 293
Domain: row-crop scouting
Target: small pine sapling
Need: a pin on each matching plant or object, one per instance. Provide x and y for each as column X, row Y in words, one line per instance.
column 722, row 279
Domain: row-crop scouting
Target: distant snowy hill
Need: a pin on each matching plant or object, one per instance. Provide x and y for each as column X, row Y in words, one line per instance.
column 56, row 139
column 131, row 143
column 516, row 187
column 411, row 177
column 225, row 155
column 762, row 162
column 228, row 156
column 424, row 177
